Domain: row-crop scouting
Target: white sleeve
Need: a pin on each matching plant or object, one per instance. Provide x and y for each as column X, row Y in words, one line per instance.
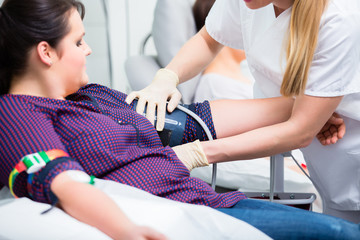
column 224, row 23
column 336, row 65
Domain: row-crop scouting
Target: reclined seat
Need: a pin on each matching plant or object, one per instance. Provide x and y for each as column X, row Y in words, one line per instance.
column 173, row 25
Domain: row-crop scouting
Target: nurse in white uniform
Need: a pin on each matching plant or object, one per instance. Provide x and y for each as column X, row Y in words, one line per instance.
column 305, row 49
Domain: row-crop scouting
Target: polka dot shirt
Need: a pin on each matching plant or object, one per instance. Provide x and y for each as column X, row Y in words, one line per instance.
column 104, row 137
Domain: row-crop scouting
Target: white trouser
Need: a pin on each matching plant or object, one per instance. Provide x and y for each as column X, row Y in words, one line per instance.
column 335, row 170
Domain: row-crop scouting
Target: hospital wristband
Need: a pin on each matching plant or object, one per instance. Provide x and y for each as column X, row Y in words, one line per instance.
column 80, row 176
column 33, row 163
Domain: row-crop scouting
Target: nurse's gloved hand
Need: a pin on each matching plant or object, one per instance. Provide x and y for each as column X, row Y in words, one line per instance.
column 154, row 97
column 191, row 155
column 333, row 130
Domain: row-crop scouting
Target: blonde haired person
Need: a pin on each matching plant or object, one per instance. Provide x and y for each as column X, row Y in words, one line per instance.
column 226, row 77
column 302, row 49
column 74, row 129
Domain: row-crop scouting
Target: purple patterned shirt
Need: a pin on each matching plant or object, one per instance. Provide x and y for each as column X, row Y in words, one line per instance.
column 104, row 137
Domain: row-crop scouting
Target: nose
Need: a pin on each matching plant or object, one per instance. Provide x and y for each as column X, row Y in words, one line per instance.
column 87, row 49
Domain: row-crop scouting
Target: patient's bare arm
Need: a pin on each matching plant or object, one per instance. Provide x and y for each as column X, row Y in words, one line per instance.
column 233, row 117
column 91, row 206
column 308, row 116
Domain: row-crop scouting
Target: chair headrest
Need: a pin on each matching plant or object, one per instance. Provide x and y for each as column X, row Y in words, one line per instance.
column 173, row 25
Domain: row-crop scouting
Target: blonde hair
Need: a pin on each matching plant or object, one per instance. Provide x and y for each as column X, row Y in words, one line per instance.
column 302, row 42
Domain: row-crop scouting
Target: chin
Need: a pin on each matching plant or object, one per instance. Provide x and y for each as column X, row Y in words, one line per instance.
column 251, row 7
column 84, row 81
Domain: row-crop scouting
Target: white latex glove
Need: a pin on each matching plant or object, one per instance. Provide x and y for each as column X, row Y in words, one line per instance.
column 191, row 155
column 155, row 96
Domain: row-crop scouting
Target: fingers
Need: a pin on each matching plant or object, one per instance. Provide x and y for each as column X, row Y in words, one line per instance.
column 155, row 105
column 151, row 234
column 153, row 109
column 174, row 101
column 337, row 119
column 331, row 134
column 161, row 111
column 321, row 138
column 341, row 130
column 140, row 107
column 150, row 111
column 141, row 101
column 335, row 132
column 131, row 97
column 332, row 131
column 325, row 135
column 328, row 137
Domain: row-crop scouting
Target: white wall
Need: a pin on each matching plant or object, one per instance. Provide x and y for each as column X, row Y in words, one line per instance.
column 97, row 62
column 129, row 22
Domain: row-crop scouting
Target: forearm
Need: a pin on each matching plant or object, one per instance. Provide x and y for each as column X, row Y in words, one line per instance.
column 194, row 56
column 233, row 117
column 308, row 116
column 91, row 206
column 261, row 142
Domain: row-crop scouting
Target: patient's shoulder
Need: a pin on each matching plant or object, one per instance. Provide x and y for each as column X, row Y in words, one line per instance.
column 13, row 102
column 98, row 90
column 105, row 95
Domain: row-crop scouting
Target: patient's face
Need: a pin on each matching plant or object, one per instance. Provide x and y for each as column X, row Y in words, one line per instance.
column 72, row 52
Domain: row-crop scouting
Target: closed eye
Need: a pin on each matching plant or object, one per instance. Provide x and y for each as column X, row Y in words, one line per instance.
column 79, row 43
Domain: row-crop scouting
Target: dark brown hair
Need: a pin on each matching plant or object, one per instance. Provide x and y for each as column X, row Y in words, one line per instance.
column 201, row 9
column 24, row 24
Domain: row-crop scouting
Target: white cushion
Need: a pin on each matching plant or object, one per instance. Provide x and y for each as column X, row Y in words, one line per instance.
column 21, row 218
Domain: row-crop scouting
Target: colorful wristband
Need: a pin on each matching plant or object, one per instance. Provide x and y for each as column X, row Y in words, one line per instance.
column 33, row 163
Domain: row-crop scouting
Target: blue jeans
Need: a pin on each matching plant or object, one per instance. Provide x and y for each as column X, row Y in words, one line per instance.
column 283, row 222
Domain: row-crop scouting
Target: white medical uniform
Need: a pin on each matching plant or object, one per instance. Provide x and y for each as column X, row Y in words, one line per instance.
column 335, row 71
column 213, row 86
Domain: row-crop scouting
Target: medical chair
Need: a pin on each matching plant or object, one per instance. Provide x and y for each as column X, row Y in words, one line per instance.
column 168, row 38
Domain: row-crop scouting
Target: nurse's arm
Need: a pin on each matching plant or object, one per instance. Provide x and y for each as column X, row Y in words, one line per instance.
column 195, row 55
column 308, row 115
